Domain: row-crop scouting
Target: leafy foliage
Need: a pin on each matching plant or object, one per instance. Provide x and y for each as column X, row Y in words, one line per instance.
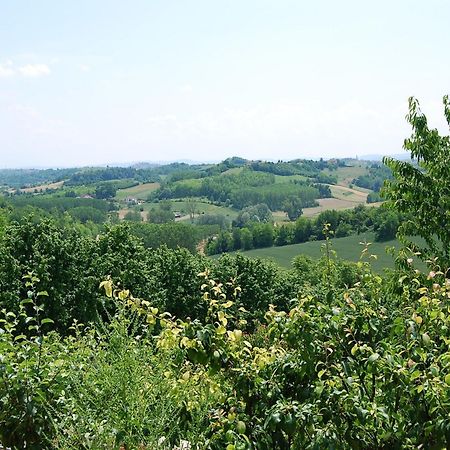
column 422, row 191
column 327, row 356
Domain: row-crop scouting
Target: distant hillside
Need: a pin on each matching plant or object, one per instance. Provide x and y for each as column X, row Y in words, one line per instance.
column 379, row 157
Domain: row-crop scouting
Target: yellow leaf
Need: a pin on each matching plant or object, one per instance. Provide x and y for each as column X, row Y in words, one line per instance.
column 107, row 285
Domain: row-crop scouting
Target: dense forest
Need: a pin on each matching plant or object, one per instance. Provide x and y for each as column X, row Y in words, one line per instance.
column 120, row 332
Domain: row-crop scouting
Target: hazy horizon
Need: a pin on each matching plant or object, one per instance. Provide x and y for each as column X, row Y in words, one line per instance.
column 101, row 82
column 369, row 157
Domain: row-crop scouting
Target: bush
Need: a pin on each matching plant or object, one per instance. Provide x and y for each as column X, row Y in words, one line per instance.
column 368, row 365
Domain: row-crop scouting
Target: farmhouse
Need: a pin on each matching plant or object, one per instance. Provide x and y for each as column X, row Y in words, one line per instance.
column 130, row 201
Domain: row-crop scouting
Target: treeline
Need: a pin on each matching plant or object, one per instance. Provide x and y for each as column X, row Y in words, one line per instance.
column 374, row 179
column 254, row 234
column 91, row 176
column 80, row 209
column 60, row 203
column 23, row 178
column 70, row 267
column 274, row 195
column 304, row 167
column 216, row 188
column 171, row 172
column 173, row 235
column 91, row 217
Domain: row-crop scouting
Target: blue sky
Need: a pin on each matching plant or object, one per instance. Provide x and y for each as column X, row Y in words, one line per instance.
column 94, row 82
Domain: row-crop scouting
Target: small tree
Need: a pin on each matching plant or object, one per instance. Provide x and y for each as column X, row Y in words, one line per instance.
column 133, row 216
column 105, row 191
column 192, row 207
column 293, row 207
column 162, row 214
column 246, row 239
column 421, row 188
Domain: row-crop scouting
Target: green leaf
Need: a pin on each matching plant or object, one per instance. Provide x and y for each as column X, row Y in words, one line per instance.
column 373, row 357
column 21, row 336
column 447, row 379
column 44, row 321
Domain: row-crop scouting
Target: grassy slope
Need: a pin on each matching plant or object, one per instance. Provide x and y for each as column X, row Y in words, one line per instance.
column 233, row 171
column 141, row 191
column 346, row 193
column 287, row 178
column 348, row 248
column 345, row 175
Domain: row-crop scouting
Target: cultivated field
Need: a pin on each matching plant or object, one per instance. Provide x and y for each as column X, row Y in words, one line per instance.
column 349, row 194
column 43, row 187
column 139, row 192
column 328, row 203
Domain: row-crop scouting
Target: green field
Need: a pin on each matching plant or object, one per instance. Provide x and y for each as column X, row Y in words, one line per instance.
column 233, row 171
column 190, row 182
column 346, row 175
column 202, row 207
column 141, row 191
column 348, row 248
column 287, row 178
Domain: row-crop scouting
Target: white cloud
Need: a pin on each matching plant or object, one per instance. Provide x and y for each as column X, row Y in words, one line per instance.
column 6, row 69
column 34, row 70
column 84, row 67
column 9, row 69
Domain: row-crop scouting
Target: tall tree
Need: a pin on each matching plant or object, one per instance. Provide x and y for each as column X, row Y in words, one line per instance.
column 421, row 188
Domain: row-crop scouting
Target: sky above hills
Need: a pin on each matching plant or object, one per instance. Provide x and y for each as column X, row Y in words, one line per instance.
column 102, row 81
